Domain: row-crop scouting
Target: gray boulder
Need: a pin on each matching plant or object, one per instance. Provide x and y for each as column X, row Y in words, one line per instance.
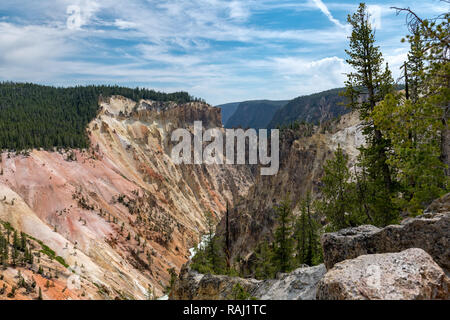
column 300, row 284
column 407, row 275
column 430, row 232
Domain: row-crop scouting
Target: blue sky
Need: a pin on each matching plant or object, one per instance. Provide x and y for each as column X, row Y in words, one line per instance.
column 222, row 51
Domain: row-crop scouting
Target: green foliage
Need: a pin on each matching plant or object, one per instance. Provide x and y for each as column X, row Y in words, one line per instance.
column 306, row 235
column 417, row 123
column 414, row 125
column 366, row 60
column 240, row 293
column 210, row 257
column 263, row 266
column 49, row 252
column 61, row 261
column 349, row 198
column 337, row 193
column 283, row 248
column 296, row 241
column 35, row 116
column 366, row 86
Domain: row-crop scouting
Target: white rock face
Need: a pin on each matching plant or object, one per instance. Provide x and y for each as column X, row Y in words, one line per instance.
column 408, row 275
column 350, row 137
column 300, row 284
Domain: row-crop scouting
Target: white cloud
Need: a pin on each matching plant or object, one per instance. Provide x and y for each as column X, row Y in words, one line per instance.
column 375, row 16
column 238, row 11
column 79, row 14
column 327, row 12
column 304, row 76
column 122, row 24
column 29, row 46
column 185, row 45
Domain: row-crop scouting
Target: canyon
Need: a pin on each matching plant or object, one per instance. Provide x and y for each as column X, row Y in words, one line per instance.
column 120, row 214
column 303, row 152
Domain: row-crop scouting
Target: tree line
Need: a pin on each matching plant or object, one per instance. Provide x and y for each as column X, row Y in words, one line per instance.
column 36, row 116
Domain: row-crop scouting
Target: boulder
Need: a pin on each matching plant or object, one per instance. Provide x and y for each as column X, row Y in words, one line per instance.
column 440, row 205
column 192, row 285
column 430, row 232
column 407, row 275
column 300, row 284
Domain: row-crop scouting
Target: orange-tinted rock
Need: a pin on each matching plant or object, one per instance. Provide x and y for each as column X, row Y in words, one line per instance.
column 126, row 184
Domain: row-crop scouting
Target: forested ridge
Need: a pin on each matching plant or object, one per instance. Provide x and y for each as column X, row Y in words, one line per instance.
column 37, row 116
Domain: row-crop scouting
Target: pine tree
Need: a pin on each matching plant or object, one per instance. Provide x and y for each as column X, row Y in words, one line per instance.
column 434, row 34
column 264, row 267
column 337, row 193
column 283, row 238
column 366, row 87
column 415, row 67
column 413, row 129
column 308, row 249
column 210, row 257
column 417, row 127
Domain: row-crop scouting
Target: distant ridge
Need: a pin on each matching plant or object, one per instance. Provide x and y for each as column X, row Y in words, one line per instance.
column 254, row 114
column 312, row 108
column 227, row 110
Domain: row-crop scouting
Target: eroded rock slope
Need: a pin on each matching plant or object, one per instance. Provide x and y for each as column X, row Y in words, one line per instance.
column 121, row 213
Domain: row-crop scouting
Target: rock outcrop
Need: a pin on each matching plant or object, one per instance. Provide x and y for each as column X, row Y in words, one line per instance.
column 300, row 284
column 430, row 232
column 408, row 275
column 192, row 285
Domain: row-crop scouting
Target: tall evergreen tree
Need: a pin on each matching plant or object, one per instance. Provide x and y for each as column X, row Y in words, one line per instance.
column 283, row 239
column 434, row 34
column 337, row 202
column 308, row 250
column 366, row 87
column 264, row 267
column 416, row 127
column 415, row 66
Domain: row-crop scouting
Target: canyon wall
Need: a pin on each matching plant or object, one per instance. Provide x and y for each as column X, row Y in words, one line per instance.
column 121, row 213
column 303, row 152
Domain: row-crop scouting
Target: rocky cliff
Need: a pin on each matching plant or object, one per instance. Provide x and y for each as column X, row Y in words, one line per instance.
column 120, row 213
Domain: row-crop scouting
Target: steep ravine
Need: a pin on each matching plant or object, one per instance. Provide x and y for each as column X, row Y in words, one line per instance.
column 301, row 166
